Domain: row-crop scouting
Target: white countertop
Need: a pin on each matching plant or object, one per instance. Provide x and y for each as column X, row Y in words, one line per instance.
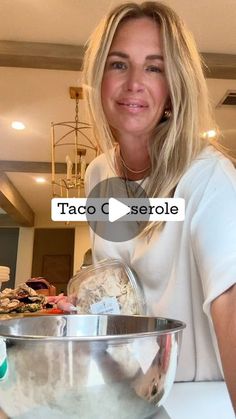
column 197, row 400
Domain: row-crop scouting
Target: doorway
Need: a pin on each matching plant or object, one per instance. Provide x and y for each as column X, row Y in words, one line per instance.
column 8, row 253
column 53, row 256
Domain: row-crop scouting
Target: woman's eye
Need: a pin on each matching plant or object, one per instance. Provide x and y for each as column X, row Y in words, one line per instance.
column 154, row 69
column 118, row 65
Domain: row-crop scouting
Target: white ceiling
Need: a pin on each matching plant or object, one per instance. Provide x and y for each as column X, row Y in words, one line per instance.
column 38, row 97
column 72, row 21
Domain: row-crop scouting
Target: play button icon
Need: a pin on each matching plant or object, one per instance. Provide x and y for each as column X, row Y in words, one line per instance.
column 117, row 210
column 113, row 223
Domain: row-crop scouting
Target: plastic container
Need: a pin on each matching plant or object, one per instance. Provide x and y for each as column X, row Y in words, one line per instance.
column 107, row 287
column 4, row 274
column 41, row 286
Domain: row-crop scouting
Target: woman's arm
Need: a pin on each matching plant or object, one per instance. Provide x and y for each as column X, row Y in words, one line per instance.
column 223, row 311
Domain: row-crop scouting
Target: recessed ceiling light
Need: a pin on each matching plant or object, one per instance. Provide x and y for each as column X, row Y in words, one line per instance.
column 40, row 180
column 18, row 125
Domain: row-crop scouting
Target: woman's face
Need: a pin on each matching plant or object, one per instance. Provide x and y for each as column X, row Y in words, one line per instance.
column 134, row 87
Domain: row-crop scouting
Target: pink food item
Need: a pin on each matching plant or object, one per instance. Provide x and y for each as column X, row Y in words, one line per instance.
column 66, row 306
column 61, row 302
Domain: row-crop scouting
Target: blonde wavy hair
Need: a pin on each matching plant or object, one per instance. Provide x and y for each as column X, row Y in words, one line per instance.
column 177, row 140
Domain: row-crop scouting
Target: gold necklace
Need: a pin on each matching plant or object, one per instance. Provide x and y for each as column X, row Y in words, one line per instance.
column 131, row 186
column 135, row 172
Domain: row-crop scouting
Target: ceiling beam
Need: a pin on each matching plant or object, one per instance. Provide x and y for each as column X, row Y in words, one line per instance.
column 6, row 221
column 14, row 204
column 70, row 57
column 41, row 55
column 31, row 166
column 220, row 66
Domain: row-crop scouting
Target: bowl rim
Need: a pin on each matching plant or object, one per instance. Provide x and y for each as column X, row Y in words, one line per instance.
column 180, row 325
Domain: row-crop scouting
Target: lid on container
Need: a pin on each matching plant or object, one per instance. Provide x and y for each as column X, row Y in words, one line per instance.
column 107, row 287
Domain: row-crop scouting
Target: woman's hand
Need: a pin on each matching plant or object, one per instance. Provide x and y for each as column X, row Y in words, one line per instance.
column 223, row 311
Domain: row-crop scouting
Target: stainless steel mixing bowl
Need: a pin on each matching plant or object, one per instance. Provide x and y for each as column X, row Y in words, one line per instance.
column 88, row 366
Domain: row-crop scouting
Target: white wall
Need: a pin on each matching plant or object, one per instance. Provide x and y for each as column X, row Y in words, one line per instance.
column 24, row 254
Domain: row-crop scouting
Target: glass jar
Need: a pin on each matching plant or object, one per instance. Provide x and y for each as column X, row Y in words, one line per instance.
column 107, row 287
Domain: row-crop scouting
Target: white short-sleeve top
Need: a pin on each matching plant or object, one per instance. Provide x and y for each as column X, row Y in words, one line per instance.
column 188, row 264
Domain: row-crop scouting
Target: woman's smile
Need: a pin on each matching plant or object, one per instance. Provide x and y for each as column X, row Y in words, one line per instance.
column 132, row 105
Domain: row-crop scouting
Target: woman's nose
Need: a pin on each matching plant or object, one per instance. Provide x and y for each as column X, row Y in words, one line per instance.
column 134, row 81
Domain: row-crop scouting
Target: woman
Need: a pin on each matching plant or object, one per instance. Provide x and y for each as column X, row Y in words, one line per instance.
column 149, row 106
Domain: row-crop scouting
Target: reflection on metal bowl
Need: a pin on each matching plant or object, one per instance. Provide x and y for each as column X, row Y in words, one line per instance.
column 88, row 366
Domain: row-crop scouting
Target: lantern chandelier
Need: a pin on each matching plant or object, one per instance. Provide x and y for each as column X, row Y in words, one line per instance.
column 70, row 143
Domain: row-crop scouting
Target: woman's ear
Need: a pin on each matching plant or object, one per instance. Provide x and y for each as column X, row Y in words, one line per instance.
column 168, row 105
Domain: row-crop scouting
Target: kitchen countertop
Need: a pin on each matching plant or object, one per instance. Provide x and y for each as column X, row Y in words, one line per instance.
column 197, row 400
